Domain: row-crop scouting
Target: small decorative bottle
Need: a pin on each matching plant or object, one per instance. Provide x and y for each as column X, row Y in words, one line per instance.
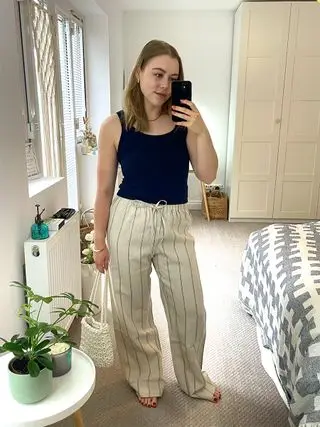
column 39, row 229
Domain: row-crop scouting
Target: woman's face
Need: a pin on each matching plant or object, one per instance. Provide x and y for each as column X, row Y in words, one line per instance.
column 156, row 77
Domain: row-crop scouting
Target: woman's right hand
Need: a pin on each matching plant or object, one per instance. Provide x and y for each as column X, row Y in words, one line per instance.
column 101, row 259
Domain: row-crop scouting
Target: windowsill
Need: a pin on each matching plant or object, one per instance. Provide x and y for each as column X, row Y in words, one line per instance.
column 38, row 185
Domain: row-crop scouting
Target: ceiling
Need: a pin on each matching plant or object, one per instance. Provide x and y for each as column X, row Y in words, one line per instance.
column 173, row 4
column 107, row 6
column 178, row 4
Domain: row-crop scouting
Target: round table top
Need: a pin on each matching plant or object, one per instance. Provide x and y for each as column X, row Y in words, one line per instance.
column 70, row 392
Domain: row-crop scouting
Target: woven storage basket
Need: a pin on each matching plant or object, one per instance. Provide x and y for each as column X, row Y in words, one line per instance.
column 217, row 204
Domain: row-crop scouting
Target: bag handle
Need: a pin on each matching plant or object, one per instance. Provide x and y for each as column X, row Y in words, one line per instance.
column 103, row 294
column 95, row 286
column 102, row 299
column 84, row 218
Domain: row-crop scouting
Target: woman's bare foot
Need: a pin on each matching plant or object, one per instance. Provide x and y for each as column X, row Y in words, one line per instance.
column 216, row 396
column 150, row 402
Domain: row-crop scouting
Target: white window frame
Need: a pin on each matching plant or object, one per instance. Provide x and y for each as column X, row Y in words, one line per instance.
column 55, row 8
column 72, row 17
column 29, row 73
column 32, row 95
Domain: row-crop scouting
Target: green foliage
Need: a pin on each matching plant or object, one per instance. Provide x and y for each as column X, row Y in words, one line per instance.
column 35, row 345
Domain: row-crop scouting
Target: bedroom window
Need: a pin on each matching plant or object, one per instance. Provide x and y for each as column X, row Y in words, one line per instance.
column 53, row 59
column 71, row 59
column 43, row 149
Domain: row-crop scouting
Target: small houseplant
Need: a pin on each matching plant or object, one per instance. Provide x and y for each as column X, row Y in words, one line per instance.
column 88, row 269
column 30, row 369
column 88, row 140
column 87, row 251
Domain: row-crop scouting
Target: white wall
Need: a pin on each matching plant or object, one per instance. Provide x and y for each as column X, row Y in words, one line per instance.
column 204, row 41
column 115, row 28
column 104, row 63
column 116, row 59
column 98, row 97
column 97, row 68
column 17, row 209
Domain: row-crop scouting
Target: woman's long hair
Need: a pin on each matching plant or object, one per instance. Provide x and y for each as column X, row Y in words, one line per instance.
column 135, row 114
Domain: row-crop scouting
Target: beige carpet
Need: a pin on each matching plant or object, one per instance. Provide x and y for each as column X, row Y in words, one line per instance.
column 231, row 355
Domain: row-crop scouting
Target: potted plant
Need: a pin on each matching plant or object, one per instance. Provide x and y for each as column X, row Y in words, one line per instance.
column 88, row 242
column 88, row 140
column 88, row 269
column 36, row 357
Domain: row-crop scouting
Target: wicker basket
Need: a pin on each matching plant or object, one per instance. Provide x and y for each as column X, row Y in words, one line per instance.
column 217, row 204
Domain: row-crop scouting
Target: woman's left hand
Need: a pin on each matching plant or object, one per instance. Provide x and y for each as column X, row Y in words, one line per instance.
column 192, row 117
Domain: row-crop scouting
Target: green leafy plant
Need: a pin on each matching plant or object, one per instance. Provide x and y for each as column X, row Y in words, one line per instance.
column 32, row 350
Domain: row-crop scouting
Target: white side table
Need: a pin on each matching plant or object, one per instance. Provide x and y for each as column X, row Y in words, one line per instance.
column 70, row 393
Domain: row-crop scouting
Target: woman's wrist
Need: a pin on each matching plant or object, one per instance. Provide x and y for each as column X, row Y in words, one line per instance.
column 97, row 249
column 99, row 244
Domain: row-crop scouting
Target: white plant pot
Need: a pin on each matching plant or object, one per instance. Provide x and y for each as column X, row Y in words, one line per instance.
column 88, row 272
column 84, row 149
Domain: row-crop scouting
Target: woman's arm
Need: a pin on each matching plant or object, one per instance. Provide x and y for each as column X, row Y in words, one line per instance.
column 203, row 156
column 106, row 177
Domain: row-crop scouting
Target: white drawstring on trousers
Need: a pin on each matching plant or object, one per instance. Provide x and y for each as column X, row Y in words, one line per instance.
column 155, row 208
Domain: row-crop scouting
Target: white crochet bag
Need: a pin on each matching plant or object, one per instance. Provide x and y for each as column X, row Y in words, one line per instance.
column 96, row 337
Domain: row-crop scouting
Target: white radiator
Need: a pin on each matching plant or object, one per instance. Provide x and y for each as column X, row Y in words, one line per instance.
column 53, row 266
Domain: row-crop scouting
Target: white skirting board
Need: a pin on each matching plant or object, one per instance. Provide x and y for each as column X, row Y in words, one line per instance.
column 194, row 205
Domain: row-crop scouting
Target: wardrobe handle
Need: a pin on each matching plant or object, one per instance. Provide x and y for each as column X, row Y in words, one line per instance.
column 278, row 121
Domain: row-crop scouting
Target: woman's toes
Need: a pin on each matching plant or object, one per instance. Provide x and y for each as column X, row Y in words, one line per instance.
column 216, row 396
column 145, row 401
column 150, row 402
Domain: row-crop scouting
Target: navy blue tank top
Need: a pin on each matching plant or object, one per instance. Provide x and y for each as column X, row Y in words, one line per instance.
column 154, row 167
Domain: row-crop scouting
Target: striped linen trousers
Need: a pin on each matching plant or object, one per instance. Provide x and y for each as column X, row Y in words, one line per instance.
column 141, row 235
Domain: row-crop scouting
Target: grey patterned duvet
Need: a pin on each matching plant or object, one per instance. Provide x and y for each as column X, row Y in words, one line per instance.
column 280, row 288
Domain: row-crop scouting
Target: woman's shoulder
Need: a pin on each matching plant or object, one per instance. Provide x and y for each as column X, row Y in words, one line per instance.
column 112, row 121
column 111, row 127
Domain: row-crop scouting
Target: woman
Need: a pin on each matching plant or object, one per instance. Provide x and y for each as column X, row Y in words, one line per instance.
column 148, row 224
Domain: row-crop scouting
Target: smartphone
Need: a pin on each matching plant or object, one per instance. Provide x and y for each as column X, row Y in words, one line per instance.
column 180, row 89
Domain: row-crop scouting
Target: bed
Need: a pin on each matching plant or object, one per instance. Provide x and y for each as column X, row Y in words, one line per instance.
column 280, row 289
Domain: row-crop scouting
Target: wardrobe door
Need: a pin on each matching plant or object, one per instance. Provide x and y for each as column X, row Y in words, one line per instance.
column 259, row 69
column 297, row 186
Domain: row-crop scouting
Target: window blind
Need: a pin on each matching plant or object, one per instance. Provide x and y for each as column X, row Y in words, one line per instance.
column 70, row 36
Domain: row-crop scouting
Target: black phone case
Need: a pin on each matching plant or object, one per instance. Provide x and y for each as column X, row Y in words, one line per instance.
column 181, row 89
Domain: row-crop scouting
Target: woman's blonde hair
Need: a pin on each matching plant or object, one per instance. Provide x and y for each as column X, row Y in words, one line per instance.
column 135, row 114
